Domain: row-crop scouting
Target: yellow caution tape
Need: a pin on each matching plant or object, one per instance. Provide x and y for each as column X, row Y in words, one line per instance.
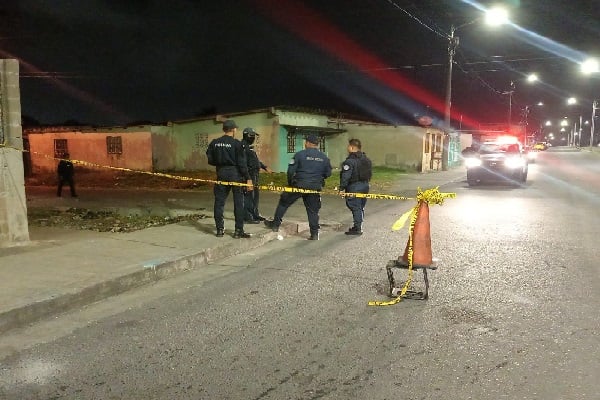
column 431, row 197
column 271, row 188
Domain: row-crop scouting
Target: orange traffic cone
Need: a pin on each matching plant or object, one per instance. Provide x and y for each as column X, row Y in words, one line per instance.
column 421, row 238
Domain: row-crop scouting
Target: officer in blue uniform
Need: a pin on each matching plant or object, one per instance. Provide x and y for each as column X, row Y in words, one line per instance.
column 308, row 169
column 227, row 154
column 251, row 198
column 354, row 178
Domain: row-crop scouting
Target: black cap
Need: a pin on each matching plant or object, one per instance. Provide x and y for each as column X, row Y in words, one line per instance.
column 229, row 125
column 250, row 132
column 314, row 139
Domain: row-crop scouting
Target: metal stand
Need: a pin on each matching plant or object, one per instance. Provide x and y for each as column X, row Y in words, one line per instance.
column 410, row 294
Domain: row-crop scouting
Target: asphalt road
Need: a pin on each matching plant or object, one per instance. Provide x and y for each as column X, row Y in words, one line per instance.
column 512, row 314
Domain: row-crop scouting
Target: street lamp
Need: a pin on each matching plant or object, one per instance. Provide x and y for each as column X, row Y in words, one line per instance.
column 594, row 108
column 493, row 17
column 590, row 66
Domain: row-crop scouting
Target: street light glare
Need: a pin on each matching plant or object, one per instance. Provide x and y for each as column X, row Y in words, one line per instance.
column 496, row 16
column 548, row 123
column 590, row 66
column 571, row 101
column 532, row 78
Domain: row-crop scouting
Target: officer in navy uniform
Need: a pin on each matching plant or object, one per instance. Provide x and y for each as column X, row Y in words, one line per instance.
column 308, row 169
column 227, row 154
column 251, row 198
column 354, row 178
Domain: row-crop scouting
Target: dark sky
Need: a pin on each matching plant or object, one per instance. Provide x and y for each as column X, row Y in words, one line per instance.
column 108, row 62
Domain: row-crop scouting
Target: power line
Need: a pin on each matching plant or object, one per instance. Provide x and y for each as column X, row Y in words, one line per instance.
column 438, row 32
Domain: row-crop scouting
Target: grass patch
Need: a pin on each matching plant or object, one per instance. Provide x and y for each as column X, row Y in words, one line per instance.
column 383, row 178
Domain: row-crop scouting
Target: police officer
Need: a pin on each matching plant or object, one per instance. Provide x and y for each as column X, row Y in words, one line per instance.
column 226, row 153
column 308, row 169
column 354, row 178
column 251, row 198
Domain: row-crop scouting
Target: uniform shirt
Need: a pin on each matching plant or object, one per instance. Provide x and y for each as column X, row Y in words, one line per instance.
column 254, row 164
column 308, row 169
column 227, row 151
column 356, row 168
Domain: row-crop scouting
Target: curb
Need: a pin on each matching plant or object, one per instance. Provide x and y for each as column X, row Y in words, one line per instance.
column 30, row 313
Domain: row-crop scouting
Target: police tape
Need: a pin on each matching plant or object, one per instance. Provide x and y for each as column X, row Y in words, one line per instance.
column 431, row 196
column 414, row 213
column 272, row 188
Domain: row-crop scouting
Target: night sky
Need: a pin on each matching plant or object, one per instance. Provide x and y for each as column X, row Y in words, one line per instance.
column 114, row 62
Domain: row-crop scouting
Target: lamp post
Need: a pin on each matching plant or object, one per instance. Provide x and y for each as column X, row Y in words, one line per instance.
column 493, row 16
column 594, row 108
column 525, row 114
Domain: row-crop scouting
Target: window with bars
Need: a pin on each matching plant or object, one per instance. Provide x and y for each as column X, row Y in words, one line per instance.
column 114, row 145
column 291, row 143
column 322, row 143
column 201, row 141
column 60, row 148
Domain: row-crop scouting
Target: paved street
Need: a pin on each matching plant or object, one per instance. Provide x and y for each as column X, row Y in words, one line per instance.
column 512, row 312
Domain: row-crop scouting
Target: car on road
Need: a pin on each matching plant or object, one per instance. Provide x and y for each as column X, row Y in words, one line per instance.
column 499, row 160
column 540, row 146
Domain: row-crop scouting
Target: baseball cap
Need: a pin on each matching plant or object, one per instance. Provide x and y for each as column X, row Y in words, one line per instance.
column 250, row 132
column 228, row 125
column 314, row 139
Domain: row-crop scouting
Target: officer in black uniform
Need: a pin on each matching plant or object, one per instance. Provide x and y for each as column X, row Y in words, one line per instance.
column 251, row 198
column 227, row 154
column 65, row 171
column 308, row 169
column 354, row 178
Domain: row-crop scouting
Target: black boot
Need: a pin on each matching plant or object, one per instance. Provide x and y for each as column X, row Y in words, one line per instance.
column 314, row 236
column 272, row 225
column 239, row 234
column 220, row 232
column 354, row 231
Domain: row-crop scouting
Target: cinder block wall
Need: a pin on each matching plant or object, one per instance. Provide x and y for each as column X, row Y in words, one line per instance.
column 13, row 207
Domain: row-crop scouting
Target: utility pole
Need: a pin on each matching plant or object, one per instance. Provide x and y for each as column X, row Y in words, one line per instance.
column 510, row 96
column 452, row 44
column 578, row 144
column 594, row 108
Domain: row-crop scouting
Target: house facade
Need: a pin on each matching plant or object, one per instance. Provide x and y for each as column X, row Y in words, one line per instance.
column 181, row 145
column 117, row 148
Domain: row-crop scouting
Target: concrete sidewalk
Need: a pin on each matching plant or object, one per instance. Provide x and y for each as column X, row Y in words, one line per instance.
column 61, row 269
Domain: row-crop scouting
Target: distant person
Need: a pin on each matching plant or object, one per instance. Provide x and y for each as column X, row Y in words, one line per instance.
column 66, row 172
column 251, row 198
column 227, row 154
column 308, row 169
column 354, row 178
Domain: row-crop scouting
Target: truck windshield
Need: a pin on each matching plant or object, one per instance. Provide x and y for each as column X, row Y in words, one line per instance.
column 491, row 148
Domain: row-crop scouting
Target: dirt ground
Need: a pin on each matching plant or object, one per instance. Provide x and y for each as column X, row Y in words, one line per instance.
column 108, row 220
column 129, row 180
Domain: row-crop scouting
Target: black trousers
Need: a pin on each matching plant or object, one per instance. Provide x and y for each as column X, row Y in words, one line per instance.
column 357, row 205
column 251, row 199
column 312, row 203
column 68, row 180
column 222, row 192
